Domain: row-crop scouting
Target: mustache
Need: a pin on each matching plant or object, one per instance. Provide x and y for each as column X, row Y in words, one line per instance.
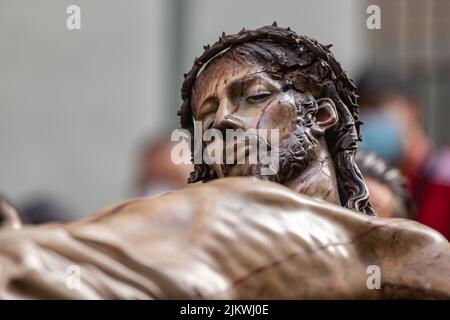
column 295, row 153
column 246, row 150
column 230, row 147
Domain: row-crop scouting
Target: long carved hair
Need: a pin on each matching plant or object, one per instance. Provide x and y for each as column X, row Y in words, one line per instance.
column 306, row 66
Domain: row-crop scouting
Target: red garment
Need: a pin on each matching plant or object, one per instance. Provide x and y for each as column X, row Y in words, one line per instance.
column 430, row 188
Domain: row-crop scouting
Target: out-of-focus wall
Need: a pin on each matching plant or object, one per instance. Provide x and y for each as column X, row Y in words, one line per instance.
column 73, row 104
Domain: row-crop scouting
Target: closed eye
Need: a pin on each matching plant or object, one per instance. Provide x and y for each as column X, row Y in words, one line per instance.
column 258, row 98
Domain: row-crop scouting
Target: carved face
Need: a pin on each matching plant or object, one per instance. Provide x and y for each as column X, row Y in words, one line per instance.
column 236, row 94
column 272, row 78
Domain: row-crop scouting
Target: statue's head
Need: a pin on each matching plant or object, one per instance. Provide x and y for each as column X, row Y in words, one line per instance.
column 271, row 78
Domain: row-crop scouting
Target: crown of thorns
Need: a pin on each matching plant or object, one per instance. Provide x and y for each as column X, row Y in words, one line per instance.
column 343, row 83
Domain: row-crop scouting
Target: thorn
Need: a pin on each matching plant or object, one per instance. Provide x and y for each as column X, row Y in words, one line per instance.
column 328, row 46
column 288, row 28
column 206, row 47
column 185, row 75
column 243, row 30
column 197, row 61
column 223, row 34
column 274, row 24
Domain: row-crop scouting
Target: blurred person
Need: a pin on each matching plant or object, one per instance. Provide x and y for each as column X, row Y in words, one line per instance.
column 393, row 130
column 156, row 172
column 388, row 192
column 44, row 208
column 35, row 210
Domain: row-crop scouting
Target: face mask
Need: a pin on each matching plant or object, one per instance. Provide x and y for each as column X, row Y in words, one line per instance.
column 382, row 135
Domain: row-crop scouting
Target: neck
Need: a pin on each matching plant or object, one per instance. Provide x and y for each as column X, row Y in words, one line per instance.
column 319, row 180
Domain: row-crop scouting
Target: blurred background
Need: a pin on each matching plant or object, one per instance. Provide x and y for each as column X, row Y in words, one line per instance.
column 85, row 114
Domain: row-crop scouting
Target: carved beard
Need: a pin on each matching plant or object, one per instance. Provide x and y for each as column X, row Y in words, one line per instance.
column 296, row 153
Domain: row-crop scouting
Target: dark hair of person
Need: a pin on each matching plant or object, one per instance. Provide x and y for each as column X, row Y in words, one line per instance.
column 374, row 167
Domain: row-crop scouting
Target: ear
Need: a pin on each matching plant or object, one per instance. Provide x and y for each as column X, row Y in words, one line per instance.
column 326, row 116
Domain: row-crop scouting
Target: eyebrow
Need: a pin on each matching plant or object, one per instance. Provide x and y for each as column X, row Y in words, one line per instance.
column 241, row 83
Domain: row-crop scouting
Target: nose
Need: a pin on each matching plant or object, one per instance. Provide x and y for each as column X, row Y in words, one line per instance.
column 225, row 119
